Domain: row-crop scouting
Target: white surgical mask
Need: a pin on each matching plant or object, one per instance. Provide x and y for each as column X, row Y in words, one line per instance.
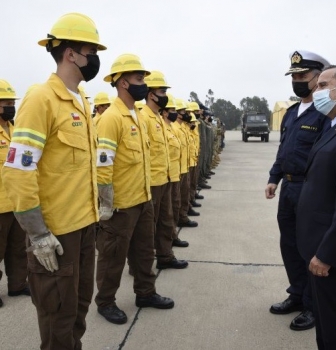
column 322, row 101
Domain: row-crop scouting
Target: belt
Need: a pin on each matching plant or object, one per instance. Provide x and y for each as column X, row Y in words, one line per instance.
column 294, row 178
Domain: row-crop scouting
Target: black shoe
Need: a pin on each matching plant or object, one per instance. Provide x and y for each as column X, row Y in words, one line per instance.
column 172, row 264
column 189, row 223
column 198, row 188
column 155, row 300
column 192, row 212
column 198, row 196
column 178, row 243
column 113, row 314
column 212, row 173
column 205, row 186
column 208, row 177
column 24, row 291
column 286, row 307
column 305, row 320
column 1, row 303
column 195, row 204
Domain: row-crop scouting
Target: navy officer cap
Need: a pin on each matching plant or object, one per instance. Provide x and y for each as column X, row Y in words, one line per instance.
column 303, row 61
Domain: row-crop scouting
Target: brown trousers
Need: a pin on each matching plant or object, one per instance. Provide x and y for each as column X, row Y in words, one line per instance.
column 129, row 233
column 13, row 252
column 193, row 173
column 164, row 222
column 62, row 298
column 176, row 203
column 185, row 190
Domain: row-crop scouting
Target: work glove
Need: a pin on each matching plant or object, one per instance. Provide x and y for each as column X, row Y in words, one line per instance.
column 43, row 242
column 105, row 201
column 45, row 248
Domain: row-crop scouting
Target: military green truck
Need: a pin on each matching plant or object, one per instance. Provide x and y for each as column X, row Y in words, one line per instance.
column 254, row 124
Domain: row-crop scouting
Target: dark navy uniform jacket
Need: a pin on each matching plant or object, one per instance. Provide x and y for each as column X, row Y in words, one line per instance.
column 298, row 135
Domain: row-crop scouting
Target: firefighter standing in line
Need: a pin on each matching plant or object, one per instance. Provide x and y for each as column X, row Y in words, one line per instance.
column 12, row 237
column 156, row 100
column 194, row 143
column 169, row 116
column 126, row 209
column 101, row 103
column 50, row 176
column 182, row 134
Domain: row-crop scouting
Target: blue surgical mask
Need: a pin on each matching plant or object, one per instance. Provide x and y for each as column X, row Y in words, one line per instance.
column 322, row 101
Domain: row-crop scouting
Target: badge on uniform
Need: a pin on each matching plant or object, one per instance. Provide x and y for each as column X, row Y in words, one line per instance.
column 296, row 58
column 103, row 157
column 75, row 116
column 3, row 142
column 158, row 126
column 11, row 155
column 27, row 158
column 133, row 128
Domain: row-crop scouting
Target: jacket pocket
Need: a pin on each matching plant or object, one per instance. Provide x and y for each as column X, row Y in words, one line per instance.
column 131, row 154
column 77, row 147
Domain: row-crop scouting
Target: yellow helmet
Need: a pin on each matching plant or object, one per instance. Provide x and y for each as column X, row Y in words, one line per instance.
column 180, row 104
column 6, row 91
column 125, row 63
column 139, row 104
column 101, row 99
column 194, row 106
column 156, row 80
column 74, row 27
column 171, row 101
column 193, row 117
column 189, row 107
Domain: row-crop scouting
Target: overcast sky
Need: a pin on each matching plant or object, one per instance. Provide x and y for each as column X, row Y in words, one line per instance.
column 237, row 48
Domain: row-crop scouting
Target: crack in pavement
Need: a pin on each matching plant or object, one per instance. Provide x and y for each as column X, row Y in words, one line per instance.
column 136, row 317
column 235, row 264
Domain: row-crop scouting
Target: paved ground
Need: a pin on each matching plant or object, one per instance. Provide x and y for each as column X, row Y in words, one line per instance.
column 222, row 298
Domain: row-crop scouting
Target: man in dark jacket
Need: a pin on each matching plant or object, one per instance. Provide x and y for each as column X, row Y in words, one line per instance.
column 316, row 216
column 300, row 126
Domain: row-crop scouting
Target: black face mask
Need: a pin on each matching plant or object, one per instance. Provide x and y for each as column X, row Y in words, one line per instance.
column 185, row 117
column 8, row 113
column 162, row 101
column 197, row 115
column 172, row 116
column 301, row 88
column 192, row 126
column 138, row 92
column 92, row 68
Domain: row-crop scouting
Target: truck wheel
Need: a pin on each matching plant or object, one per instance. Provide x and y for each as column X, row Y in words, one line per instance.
column 266, row 138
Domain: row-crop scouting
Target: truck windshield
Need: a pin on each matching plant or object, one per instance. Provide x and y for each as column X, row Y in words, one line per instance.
column 256, row 118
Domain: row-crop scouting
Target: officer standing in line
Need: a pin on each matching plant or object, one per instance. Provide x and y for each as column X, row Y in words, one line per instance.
column 169, row 116
column 126, row 209
column 12, row 237
column 182, row 133
column 50, row 176
column 299, row 129
column 156, row 100
column 101, row 103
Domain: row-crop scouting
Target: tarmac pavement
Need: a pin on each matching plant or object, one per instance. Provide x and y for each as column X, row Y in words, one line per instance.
column 222, row 299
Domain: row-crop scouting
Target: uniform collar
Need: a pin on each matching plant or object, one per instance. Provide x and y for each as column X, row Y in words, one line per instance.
column 62, row 92
column 4, row 134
